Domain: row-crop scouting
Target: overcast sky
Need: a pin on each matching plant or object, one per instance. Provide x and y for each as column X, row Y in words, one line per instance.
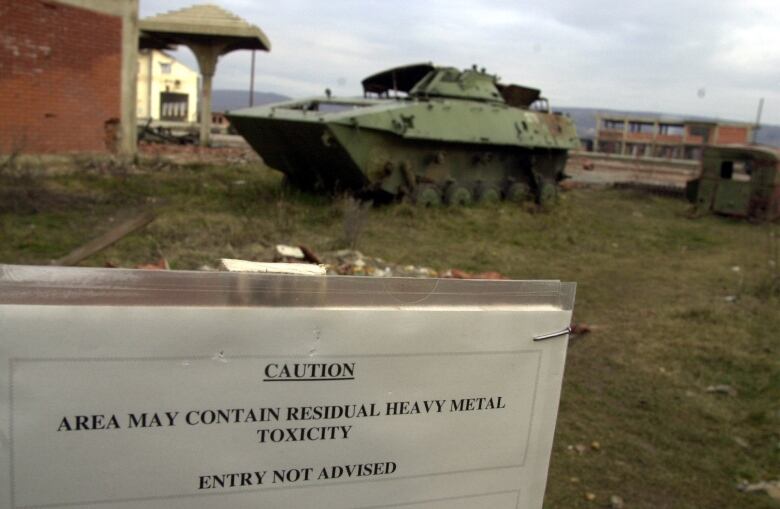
column 714, row 58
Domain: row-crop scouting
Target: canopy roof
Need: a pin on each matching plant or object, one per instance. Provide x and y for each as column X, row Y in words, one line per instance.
column 204, row 24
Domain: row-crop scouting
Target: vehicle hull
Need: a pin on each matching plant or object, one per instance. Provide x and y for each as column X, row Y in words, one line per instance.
column 393, row 148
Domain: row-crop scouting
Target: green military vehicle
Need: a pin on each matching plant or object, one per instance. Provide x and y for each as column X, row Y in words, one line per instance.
column 430, row 134
column 738, row 180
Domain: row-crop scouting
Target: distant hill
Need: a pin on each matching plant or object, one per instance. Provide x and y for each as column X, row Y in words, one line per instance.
column 585, row 120
column 769, row 135
column 225, row 100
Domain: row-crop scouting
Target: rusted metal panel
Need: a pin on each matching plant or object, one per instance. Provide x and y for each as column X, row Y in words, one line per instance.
column 739, row 180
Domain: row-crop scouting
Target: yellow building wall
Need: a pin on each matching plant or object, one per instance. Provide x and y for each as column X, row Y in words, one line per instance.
column 159, row 72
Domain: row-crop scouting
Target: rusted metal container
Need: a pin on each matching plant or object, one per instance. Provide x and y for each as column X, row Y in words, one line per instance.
column 738, row 180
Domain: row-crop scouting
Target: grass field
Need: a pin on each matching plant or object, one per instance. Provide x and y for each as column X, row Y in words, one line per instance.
column 676, row 305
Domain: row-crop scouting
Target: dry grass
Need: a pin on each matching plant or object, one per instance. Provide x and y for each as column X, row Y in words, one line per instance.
column 652, row 282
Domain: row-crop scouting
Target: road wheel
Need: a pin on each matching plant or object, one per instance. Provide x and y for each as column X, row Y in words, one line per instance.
column 488, row 194
column 457, row 195
column 427, row 195
column 548, row 193
column 518, row 192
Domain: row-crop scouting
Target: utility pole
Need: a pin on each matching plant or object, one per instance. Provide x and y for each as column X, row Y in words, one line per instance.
column 758, row 120
column 252, row 82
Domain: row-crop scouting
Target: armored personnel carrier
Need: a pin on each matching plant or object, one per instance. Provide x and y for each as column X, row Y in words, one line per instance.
column 427, row 133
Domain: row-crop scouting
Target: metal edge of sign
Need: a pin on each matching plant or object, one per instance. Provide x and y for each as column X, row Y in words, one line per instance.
column 23, row 284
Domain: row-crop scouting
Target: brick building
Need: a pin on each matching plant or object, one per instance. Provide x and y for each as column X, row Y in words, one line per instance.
column 69, row 69
column 665, row 138
column 63, row 69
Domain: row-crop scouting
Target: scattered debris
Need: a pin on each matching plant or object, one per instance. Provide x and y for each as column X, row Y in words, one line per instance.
column 590, row 497
column 288, row 254
column 108, row 238
column 742, row 442
column 569, row 185
column 577, row 329
column 349, row 262
column 166, row 155
column 582, row 449
column 310, row 256
column 722, row 389
column 159, row 134
column 161, row 264
column 771, row 488
column 616, row 502
column 295, row 254
column 461, row 274
column 289, row 259
column 301, row 269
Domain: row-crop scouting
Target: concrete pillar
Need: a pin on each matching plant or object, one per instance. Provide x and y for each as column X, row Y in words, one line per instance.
column 128, row 131
column 625, row 135
column 654, row 143
column 207, row 55
column 205, row 111
column 597, row 141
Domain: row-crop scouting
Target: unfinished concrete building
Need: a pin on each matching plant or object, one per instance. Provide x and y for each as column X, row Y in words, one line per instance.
column 665, row 138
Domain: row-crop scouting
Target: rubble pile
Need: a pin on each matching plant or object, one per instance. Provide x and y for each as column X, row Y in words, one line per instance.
column 345, row 262
column 193, row 154
column 349, row 262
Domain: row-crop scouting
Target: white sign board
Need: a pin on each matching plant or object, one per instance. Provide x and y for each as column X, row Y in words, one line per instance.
column 159, row 390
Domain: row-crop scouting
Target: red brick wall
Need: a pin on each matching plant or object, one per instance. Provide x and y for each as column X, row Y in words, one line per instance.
column 60, row 72
column 732, row 134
